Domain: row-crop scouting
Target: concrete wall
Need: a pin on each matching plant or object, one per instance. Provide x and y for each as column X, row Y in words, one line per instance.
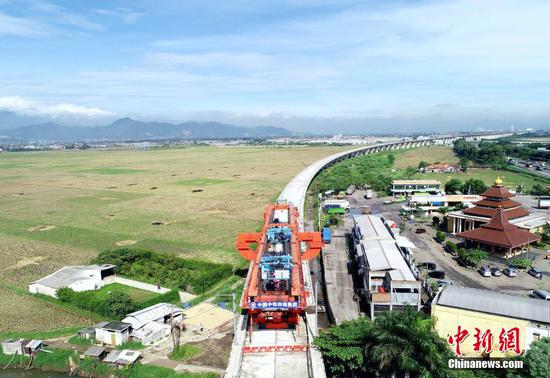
column 106, row 337
column 447, row 320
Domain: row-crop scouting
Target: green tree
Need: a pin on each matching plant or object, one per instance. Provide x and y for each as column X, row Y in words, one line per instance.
column 453, row 185
column 436, row 222
column 474, row 186
column 538, row 359
column 404, row 342
column 117, row 305
column 440, row 236
column 343, row 346
column 539, row 190
column 463, row 163
column 409, row 172
column 423, row 164
column 391, row 159
column 472, row 257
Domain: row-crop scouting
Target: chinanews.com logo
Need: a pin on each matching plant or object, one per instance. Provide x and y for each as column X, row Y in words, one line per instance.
column 483, row 344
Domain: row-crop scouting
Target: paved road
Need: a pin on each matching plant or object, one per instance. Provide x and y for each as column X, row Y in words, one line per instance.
column 339, row 284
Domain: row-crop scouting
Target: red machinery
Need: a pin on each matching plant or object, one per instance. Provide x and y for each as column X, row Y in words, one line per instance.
column 274, row 294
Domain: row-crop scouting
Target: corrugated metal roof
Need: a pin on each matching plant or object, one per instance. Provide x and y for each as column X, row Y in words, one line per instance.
column 94, row 351
column 384, row 255
column 371, row 227
column 67, row 275
column 112, row 356
column 492, row 302
column 139, row 318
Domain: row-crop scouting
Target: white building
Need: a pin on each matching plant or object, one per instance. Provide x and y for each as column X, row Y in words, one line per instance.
column 153, row 323
column 78, row 278
column 113, row 333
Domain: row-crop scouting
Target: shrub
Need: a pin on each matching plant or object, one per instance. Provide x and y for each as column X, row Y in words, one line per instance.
column 521, row 263
column 472, row 257
column 116, row 304
column 440, row 236
column 436, row 221
column 452, row 246
column 167, row 269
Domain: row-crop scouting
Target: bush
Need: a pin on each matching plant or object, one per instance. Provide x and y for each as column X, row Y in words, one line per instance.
column 472, row 257
column 440, row 236
column 167, row 269
column 452, row 246
column 116, row 304
column 521, row 263
column 436, row 222
column 133, row 345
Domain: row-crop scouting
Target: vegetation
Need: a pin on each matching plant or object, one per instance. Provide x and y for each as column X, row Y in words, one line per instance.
column 451, row 246
column 472, row 257
column 474, row 186
column 540, row 190
column 40, row 335
column 440, row 236
column 79, row 341
column 165, row 269
column 537, row 359
column 133, row 345
column 394, row 343
column 453, row 185
column 185, row 352
column 115, row 305
column 521, row 263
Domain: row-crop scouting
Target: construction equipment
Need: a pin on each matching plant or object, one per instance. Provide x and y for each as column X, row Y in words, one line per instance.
column 274, row 295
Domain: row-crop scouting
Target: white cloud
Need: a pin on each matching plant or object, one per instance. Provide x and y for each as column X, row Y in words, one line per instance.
column 22, row 27
column 24, row 106
column 126, row 15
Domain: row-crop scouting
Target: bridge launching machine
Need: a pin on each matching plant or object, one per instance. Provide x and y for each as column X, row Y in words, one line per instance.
column 274, row 294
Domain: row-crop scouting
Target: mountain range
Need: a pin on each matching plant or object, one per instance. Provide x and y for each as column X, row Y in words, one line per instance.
column 130, row 129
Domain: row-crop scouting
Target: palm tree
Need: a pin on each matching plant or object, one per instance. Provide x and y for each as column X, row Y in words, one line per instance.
column 404, row 343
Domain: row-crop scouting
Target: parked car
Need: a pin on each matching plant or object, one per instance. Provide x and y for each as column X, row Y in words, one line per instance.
column 540, row 294
column 427, row 265
column 485, row 272
column 420, row 231
column 442, row 283
column 496, row 272
column 510, row 271
column 438, row 274
column 535, row 273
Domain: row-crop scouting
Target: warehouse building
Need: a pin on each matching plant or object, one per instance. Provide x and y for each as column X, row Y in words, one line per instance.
column 489, row 310
column 388, row 281
column 78, row 278
column 154, row 323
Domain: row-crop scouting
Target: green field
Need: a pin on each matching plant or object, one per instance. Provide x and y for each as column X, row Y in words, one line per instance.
column 137, row 295
column 64, row 207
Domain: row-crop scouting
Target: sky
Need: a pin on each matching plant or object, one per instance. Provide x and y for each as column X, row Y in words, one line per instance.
column 332, row 65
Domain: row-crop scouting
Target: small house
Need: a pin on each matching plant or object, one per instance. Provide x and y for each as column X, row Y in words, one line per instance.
column 120, row 358
column 13, row 346
column 88, row 333
column 95, row 352
column 113, row 333
column 154, row 323
column 32, row 346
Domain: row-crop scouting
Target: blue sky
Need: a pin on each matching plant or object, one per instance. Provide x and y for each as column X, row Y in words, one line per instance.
column 298, row 63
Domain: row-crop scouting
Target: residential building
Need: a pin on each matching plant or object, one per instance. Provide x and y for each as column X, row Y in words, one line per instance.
column 472, row 308
column 113, row 333
column 442, row 168
column 408, row 187
column 78, row 278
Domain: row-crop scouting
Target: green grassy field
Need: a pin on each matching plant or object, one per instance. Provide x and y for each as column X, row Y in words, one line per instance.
column 64, row 207
column 137, row 295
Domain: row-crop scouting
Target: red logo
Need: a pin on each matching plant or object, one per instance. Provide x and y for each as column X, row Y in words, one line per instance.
column 457, row 339
column 508, row 340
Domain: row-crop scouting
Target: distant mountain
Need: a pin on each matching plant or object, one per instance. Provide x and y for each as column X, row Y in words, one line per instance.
column 10, row 120
column 130, row 129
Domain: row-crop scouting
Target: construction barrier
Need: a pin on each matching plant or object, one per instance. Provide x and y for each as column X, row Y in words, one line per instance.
column 275, row 348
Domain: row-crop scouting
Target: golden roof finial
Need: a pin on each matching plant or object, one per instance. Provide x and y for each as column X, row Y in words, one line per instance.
column 498, row 181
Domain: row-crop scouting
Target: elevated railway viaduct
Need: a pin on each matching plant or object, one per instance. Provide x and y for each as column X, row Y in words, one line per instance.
column 280, row 353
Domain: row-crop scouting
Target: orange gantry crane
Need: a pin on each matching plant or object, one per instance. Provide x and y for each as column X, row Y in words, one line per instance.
column 274, row 294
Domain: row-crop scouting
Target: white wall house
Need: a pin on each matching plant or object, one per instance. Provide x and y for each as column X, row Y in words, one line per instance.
column 153, row 323
column 113, row 333
column 78, row 278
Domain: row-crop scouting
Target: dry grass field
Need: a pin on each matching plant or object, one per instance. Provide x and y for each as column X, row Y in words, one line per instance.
column 62, row 208
column 411, row 158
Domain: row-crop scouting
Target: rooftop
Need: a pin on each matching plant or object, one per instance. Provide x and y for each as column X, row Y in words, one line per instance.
column 371, row 227
column 500, row 232
column 116, row 326
column 139, row 318
column 385, row 255
column 416, row 182
column 491, row 302
column 94, row 351
column 67, row 275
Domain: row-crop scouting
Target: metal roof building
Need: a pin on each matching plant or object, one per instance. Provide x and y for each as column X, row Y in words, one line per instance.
column 159, row 313
column 491, row 302
column 384, row 255
column 369, row 227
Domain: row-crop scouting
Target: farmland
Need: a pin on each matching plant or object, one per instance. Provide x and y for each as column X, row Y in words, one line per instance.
column 59, row 208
